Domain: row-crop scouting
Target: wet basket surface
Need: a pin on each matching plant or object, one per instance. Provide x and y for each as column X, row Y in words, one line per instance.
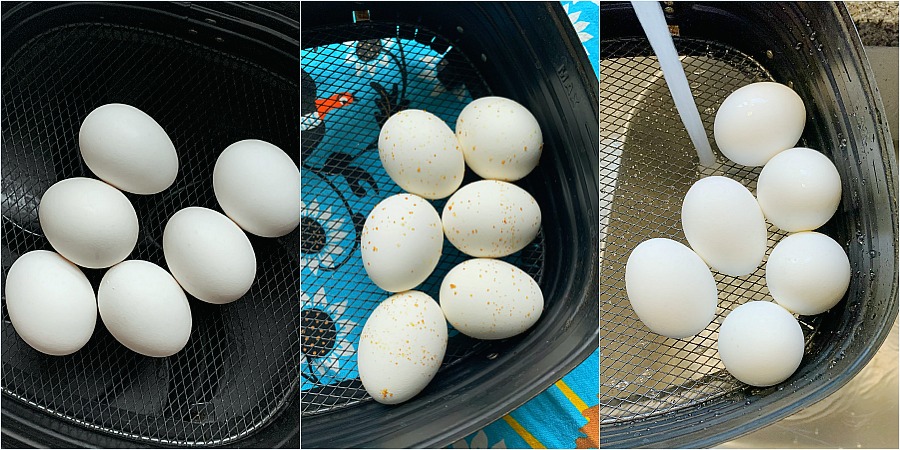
column 660, row 392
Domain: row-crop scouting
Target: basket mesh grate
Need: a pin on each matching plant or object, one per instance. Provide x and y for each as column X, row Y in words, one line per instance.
column 647, row 165
column 352, row 83
column 240, row 366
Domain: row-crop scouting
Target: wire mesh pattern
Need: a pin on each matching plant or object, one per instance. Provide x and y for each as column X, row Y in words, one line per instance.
column 647, row 165
column 351, row 84
column 240, row 366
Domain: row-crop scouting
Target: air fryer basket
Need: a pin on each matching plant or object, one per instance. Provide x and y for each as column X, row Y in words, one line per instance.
column 660, row 392
column 211, row 75
column 524, row 51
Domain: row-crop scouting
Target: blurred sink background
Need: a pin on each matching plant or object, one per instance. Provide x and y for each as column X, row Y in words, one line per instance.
column 864, row 413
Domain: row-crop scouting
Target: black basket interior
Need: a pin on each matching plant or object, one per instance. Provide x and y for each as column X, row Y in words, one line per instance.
column 659, row 392
column 389, row 56
column 239, row 369
column 344, row 177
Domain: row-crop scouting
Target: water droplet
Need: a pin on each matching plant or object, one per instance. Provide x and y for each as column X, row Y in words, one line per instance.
column 873, row 253
column 798, row 46
column 812, row 36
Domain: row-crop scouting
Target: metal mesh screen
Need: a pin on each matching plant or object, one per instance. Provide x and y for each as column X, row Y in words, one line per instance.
column 647, row 165
column 240, row 366
column 352, row 82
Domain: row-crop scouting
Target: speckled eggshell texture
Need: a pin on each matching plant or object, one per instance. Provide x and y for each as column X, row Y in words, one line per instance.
column 490, row 299
column 401, row 242
column 491, row 219
column 401, row 347
column 500, row 138
column 421, row 154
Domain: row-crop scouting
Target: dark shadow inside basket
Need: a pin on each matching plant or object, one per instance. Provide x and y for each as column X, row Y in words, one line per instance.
column 208, row 84
column 525, row 52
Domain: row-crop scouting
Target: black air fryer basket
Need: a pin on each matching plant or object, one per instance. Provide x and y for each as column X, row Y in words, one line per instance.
column 526, row 51
column 659, row 392
column 210, row 74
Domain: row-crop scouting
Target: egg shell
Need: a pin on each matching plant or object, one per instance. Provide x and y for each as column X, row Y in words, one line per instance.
column 88, row 222
column 500, row 138
column 401, row 242
column 144, row 308
column 490, row 299
column 723, row 223
column 799, row 189
column 258, row 187
column 758, row 121
column 760, row 343
column 808, row 273
column 421, row 154
column 128, row 149
column 209, row 255
column 401, row 347
column 670, row 288
column 490, row 218
column 51, row 303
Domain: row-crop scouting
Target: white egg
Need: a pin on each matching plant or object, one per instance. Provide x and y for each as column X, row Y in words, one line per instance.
column 144, row 308
column 724, row 225
column 401, row 242
column 490, row 299
column 808, row 273
column 51, row 303
column 758, row 121
column 127, row 148
column 799, row 189
column 670, row 288
column 258, row 187
column 760, row 343
column 500, row 138
column 401, row 347
column 421, row 154
column 209, row 255
column 490, row 218
column 88, row 222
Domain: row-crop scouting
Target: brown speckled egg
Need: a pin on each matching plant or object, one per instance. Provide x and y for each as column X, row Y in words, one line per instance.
column 491, row 219
column 421, row 154
column 401, row 347
column 490, row 299
column 401, row 242
column 500, row 138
